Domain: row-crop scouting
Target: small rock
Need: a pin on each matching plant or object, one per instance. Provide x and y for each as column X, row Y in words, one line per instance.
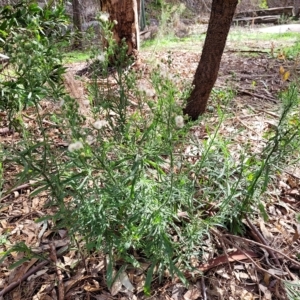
column 210, row 108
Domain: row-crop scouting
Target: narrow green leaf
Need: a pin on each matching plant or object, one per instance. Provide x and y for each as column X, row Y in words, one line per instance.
column 147, row 287
column 19, row 262
column 109, row 271
column 39, row 190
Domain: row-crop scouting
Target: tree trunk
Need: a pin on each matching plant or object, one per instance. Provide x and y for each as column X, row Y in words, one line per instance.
column 296, row 8
column 77, row 23
column 206, row 74
column 125, row 12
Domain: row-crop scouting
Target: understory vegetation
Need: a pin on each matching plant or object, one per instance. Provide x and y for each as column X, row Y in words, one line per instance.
column 133, row 178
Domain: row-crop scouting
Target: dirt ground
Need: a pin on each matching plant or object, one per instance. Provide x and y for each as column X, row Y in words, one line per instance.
column 252, row 70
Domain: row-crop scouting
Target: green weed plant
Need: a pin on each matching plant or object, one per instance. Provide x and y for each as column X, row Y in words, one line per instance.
column 293, row 51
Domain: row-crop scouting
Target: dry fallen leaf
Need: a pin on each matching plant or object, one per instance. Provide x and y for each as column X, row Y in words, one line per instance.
column 245, row 295
column 116, row 286
column 24, row 268
column 292, row 182
column 71, row 262
column 103, row 296
column 96, row 268
column 281, row 56
column 223, row 272
column 38, row 274
column 281, row 70
column 265, row 232
column 92, row 286
column 16, row 294
column 267, row 278
column 297, row 233
column 42, row 293
column 126, row 282
column 241, row 276
column 251, row 269
column 235, row 256
column 192, row 294
column 177, row 292
column 265, row 290
column 286, row 76
column 277, row 272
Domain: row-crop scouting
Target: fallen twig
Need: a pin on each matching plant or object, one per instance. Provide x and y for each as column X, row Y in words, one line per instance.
column 256, row 95
column 242, row 117
column 53, row 256
column 230, row 257
column 237, row 118
column 247, row 254
column 81, row 254
column 264, row 111
column 203, row 288
column 263, row 241
column 23, row 278
column 44, row 121
column 20, row 187
column 289, row 173
column 227, row 257
column 263, row 246
column 247, row 51
column 253, row 261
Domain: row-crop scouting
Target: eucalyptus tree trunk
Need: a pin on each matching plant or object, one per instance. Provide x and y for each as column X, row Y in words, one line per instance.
column 296, row 8
column 207, row 71
column 77, row 23
column 125, row 13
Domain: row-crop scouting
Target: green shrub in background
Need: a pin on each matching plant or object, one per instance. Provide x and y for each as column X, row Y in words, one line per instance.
column 263, row 4
column 292, row 52
column 30, row 36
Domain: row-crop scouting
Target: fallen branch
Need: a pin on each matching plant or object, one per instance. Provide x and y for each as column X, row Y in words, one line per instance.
column 23, row 278
column 254, row 262
column 263, row 241
column 263, row 246
column 243, row 117
column 227, row 256
column 43, row 121
column 256, row 95
column 246, row 51
column 264, row 111
column 246, row 253
column 289, row 173
column 16, row 283
column 230, row 257
column 53, row 256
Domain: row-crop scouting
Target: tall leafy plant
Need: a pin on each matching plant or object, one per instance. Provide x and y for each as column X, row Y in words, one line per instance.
column 31, row 37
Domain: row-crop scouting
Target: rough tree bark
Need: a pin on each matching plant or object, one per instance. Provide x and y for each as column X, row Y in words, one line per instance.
column 296, row 8
column 125, row 12
column 77, row 23
column 207, row 71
